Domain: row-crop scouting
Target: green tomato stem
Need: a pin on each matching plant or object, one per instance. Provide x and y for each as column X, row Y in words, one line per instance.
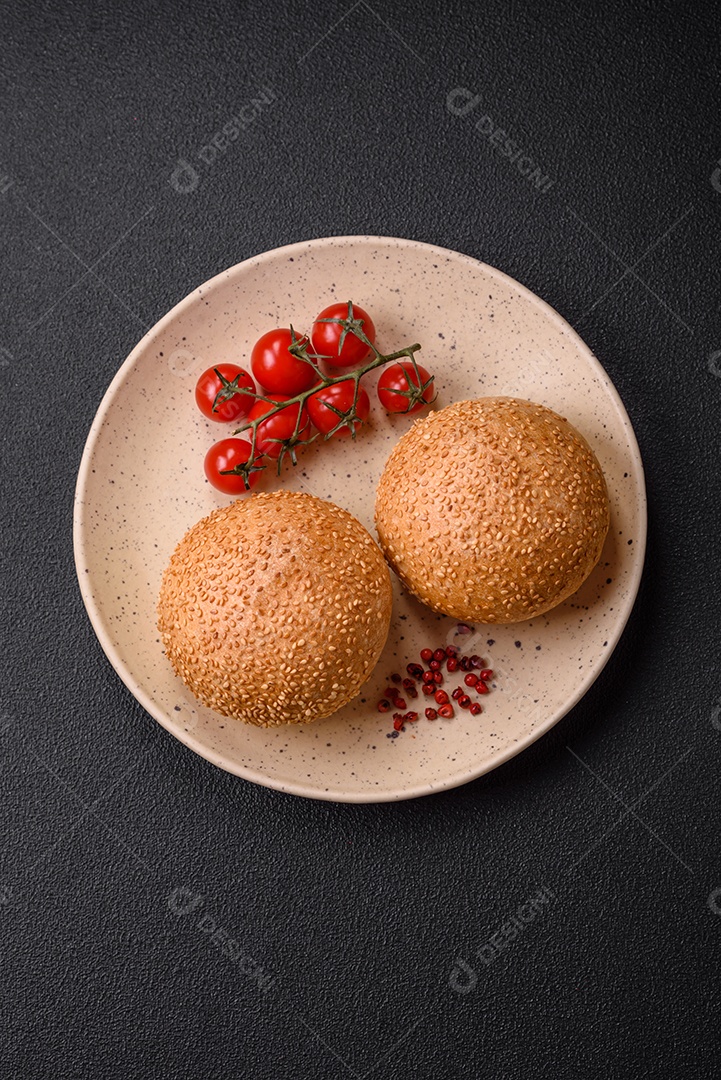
column 299, row 349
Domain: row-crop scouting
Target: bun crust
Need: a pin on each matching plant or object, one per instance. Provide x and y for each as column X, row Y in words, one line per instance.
column 492, row 510
column 275, row 609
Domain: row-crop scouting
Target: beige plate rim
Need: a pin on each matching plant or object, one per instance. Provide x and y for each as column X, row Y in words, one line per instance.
column 96, row 616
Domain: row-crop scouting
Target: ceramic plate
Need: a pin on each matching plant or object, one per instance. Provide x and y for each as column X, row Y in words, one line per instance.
column 141, row 485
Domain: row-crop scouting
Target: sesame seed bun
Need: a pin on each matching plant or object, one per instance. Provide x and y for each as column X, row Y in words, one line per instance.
column 493, row 510
column 275, row 609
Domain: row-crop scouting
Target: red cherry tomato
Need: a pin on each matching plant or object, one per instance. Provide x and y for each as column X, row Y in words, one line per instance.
column 273, row 431
column 276, row 369
column 209, row 386
column 340, row 397
column 225, row 455
column 326, row 336
column 395, row 384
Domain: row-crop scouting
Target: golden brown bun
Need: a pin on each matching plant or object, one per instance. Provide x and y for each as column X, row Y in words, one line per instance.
column 275, row 610
column 492, row 510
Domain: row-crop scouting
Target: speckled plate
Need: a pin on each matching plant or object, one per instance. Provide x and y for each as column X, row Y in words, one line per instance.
column 141, row 486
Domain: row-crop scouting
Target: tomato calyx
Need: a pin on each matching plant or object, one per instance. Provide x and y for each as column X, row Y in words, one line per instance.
column 244, row 469
column 351, row 325
column 415, row 390
column 299, row 349
column 231, row 467
column 229, row 388
column 350, row 418
column 288, row 446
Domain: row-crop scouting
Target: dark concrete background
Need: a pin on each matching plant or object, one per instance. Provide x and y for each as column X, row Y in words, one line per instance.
column 127, row 861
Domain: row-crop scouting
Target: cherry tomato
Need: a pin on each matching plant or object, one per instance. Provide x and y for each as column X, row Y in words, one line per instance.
column 279, row 427
column 209, row 385
column 224, row 455
column 395, row 384
column 276, row 369
column 340, row 397
column 335, row 341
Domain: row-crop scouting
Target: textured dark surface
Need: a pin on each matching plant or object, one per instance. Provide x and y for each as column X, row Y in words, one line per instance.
column 111, row 830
